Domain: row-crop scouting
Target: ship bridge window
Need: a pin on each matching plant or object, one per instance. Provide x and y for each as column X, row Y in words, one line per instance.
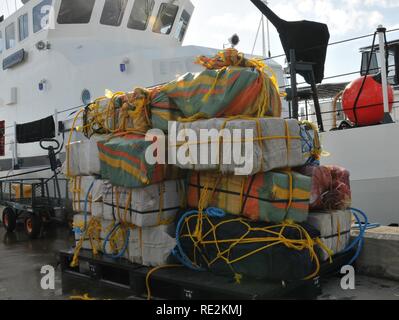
column 166, row 18
column 41, row 15
column 75, row 11
column 182, row 26
column 23, row 27
column 392, row 77
column 10, row 36
column 140, row 14
column 113, row 12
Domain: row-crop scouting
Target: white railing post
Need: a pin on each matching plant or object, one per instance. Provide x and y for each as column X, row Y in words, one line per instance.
column 384, row 73
column 56, row 124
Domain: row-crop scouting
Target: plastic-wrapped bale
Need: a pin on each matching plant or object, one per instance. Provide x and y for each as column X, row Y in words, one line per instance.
column 245, row 249
column 335, row 229
column 273, row 144
column 330, row 187
column 123, row 162
column 82, row 156
column 90, row 241
column 144, row 207
column 79, row 188
column 119, row 112
column 152, row 246
column 225, row 92
column 270, row 197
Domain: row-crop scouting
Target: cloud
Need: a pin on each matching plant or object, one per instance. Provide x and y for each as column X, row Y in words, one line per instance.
column 342, row 16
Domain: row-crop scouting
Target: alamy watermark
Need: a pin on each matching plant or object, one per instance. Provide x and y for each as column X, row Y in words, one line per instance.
column 202, row 147
column 348, row 281
column 47, row 281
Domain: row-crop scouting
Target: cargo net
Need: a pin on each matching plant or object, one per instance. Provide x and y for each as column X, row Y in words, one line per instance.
column 227, row 245
column 208, row 239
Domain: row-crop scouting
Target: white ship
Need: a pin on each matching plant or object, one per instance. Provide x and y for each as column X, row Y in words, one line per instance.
column 58, row 55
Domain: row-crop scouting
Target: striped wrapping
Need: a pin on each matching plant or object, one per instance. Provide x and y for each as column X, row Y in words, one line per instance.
column 271, row 197
column 218, row 93
column 123, row 163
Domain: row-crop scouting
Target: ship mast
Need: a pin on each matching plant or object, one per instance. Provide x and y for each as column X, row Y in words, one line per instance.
column 266, row 52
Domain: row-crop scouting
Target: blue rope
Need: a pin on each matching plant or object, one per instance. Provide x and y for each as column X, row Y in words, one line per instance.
column 125, row 245
column 307, row 145
column 359, row 240
column 178, row 251
column 86, row 203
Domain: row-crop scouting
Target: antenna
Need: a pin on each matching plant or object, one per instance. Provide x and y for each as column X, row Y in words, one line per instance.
column 8, row 8
column 269, row 46
column 264, row 36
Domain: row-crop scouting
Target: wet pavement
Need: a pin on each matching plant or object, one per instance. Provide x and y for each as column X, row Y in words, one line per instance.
column 21, row 261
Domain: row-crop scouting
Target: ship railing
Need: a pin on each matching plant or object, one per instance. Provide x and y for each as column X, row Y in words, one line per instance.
column 64, row 113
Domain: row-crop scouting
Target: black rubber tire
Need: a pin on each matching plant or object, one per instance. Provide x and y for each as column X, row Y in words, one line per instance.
column 33, row 226
column 9, row 219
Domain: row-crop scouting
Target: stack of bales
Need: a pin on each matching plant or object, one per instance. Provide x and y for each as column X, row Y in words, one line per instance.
column 125, row 207
column 211, row 213
column 246, row 219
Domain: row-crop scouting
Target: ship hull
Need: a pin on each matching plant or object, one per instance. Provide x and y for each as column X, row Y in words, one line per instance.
column 371, row 154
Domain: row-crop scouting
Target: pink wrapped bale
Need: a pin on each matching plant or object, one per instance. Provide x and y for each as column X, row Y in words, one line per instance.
column 330, row 187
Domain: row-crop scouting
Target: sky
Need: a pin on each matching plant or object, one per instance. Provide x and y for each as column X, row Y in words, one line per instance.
column 214, row 21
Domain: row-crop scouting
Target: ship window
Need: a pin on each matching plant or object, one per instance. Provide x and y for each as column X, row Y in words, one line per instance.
column 10, row 36
column 141, row 14
column 166, row 17
column 113, row 12
column 374, row 67
column 75, row 11
column 182, row 26
column 23, row 27
column 1, row 42
column 41, row 15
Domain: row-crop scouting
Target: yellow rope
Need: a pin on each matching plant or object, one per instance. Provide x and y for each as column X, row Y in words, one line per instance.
column 151, row 272
column 84, row 297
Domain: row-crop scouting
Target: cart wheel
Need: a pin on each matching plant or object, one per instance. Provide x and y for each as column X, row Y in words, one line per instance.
column 33, row 225
column 9, row 219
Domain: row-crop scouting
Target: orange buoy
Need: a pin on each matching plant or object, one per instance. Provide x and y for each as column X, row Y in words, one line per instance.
column 369, row 109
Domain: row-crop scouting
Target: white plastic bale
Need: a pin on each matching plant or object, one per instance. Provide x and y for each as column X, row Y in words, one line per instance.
column 79, row 188
column 267, row 154
column 79, row 231
column 152, row 246
column 82, row 155
column 335, row 229
column 144, row 207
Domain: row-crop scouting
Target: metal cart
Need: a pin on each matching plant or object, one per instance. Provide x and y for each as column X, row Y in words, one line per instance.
column 35, row 201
